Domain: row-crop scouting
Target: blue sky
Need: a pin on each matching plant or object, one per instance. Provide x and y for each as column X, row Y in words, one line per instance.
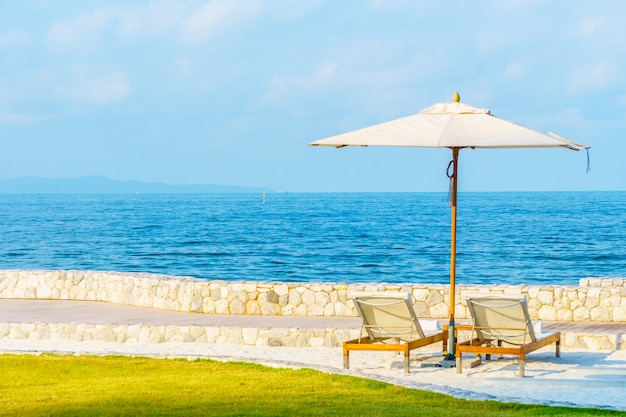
column 231, row 92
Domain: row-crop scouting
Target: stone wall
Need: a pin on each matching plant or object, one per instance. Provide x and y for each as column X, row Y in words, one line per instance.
column 603, row 282
column 599, row 300
column 140, row 333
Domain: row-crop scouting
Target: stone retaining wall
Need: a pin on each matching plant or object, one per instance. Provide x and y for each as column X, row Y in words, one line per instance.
column 292, row 337
column 139, row 333
column 600, row 300
column 603, row 282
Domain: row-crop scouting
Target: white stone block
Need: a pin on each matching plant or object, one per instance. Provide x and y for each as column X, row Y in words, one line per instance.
column 253, row 307
column 581, row 314
column 262, row 341
column 315, row 310
column 196, row 304
column 250, row 335
column 546, row 297
column 308, row 297
column 533, row 291
column 439, row 310
column 295, row 297
column 281, row 289
column 420, row 294
column 329, row 310
column 564, row 314
column 212, row 333
column 342, row 310
column 322, row 298
column 277, row 332
column 197, row 334
column 31, row 282
column 43, row 291
column 224, row 290
column 301, row 310
column 237, row 307
column 591, row 342
column 591, row 302
column 316, row 341
column 221, row 307
column 302, row 341
column 600, row 314
column 546, row 312
column 434, row 297
column 270, row 309
column 288, row 310
column 619, row 314
column 594, row 292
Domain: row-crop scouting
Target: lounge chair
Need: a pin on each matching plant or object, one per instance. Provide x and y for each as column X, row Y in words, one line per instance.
column 390, row 323
column 502, row 327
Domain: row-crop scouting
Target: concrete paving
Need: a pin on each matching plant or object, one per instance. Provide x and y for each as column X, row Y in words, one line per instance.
column 95, row 312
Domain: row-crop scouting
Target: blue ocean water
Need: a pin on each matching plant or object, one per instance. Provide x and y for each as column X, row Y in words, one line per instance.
column 549, row 238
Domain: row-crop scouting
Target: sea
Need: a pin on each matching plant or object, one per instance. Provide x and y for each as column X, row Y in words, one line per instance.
column 553, row 238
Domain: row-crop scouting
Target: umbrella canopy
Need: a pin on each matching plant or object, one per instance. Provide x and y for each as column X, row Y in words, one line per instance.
column 449, row 125
column 456, row 126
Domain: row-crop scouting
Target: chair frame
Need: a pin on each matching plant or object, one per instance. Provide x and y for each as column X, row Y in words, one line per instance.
column 386, row 338
column 485, row 345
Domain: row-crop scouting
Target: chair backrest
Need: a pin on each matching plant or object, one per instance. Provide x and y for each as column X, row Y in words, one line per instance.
column 388, row 315
column 501, row 317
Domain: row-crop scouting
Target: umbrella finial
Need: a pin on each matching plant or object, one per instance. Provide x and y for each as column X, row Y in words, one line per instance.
column 456, row 97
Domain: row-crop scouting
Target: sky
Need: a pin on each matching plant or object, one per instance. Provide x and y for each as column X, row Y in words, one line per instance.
column 231, row 92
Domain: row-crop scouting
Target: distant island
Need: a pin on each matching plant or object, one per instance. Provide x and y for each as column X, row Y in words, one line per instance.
column 103, row 185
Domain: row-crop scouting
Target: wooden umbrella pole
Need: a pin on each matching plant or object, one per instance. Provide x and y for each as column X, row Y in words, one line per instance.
column 453, row 199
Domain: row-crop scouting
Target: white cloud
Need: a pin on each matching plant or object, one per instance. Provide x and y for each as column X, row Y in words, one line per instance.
column 151, row 19
column 593, row 77
column 517, row 69
column 602, row 34
column 13, row 38
column 155, row 18
column 322, row 75
column 183, row 67
column 99, row 90
column 216, row 16
column 591, row 26
column 194, row 23
column 71, row 32
column 18, row 118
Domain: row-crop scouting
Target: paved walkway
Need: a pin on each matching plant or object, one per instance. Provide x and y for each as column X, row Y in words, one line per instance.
column 94, row 312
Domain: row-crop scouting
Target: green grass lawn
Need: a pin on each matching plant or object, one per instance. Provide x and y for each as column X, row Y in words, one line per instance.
column 56, row 385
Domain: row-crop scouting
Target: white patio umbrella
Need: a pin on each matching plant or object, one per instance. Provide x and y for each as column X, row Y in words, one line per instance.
column 456, row 126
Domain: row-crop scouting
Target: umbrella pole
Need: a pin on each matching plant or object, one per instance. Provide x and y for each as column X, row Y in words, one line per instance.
column 450, row 356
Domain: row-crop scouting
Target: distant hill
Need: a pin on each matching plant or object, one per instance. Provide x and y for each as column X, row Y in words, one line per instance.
column 103, row 185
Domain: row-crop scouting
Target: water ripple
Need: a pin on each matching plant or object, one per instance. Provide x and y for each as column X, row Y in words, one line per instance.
column 528, row 238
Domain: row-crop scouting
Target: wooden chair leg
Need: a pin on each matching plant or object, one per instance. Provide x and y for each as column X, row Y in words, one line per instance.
column 346, row 360
column 407, row 359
